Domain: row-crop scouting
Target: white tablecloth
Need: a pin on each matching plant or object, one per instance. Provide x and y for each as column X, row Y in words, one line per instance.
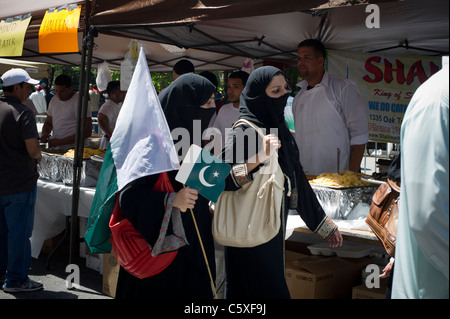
column 53, row 204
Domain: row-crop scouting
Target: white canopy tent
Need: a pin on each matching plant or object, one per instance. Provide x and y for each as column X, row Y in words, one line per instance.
column 37, row 70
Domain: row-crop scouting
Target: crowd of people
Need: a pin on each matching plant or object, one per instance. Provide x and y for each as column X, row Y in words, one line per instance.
column 330, row 119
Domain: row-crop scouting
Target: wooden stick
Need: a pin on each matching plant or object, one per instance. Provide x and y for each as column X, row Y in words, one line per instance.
column 204, row 253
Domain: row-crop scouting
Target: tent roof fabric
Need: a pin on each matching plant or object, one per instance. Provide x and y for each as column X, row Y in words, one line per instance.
column 12, row 8
column 118, row 12
column 36, row 70
column 220, row 34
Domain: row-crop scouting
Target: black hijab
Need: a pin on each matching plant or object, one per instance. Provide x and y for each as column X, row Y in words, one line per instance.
column 394, row 169
column 266, row 112
column 256, row 106
column 181, row 102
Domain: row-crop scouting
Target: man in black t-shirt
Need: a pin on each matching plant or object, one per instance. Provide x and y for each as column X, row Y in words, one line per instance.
column 19, row 154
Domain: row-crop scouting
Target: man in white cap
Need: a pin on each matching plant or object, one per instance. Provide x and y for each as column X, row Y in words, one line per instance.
column 20, row 153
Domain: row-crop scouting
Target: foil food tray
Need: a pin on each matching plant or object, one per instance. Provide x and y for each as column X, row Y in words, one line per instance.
column 338, row 202
column 48, row 167
column 90, row 171
column 58, row 168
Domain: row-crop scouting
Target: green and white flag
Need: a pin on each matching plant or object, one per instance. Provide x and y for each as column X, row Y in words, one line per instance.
column 141, row 145
column 204, row 172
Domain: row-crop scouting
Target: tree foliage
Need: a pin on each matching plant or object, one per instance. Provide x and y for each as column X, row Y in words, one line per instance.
column 161, row 80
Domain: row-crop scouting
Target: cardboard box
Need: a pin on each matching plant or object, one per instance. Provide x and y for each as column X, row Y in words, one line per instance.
column 319, row 277
column 110, row 274
column 290, row 256
column 362, row 292
column 94, row 262
column 83, row 225
column 50, row 244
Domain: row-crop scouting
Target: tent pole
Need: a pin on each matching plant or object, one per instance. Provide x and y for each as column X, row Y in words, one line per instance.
column 76, row 163
column 79, row 140
column 79, row 146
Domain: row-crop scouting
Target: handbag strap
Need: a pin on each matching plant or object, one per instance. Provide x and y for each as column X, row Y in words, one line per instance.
column 393, row 185
column 272, row 161
column 252, row 125
column 259, row 131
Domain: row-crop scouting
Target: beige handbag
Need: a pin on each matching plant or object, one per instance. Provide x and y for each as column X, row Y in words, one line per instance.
column 250, row 216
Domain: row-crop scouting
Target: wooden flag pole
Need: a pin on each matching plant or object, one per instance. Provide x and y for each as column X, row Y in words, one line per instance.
column 204, row 253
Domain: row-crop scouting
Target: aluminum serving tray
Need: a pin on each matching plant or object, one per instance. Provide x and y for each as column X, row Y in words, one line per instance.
column 338, row 202
column 372, row 180
column 340, row 187
column 58, row 168
column 48, row 167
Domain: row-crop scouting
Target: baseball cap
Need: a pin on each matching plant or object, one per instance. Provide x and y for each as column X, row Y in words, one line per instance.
column 15, row 76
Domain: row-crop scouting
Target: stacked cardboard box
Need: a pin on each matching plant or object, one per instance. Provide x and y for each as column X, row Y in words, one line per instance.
column 110, row 274
column 362, row 292
column 320, row 277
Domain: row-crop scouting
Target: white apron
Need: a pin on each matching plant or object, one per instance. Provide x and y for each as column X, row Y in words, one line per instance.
column 319, row 132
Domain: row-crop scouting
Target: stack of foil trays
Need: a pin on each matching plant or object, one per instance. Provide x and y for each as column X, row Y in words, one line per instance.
column 59, row 168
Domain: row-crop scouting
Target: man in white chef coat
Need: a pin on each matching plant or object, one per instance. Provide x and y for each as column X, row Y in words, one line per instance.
column 331, row 126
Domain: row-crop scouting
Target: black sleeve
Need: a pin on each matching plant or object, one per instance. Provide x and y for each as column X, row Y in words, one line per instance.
column 308, row 207
column 238, row 149
column 28, row 126
column 144, row 207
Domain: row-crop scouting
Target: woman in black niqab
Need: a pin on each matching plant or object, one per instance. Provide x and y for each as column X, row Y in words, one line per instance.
column 187, row 276
column 182, row 102
column 258, row 272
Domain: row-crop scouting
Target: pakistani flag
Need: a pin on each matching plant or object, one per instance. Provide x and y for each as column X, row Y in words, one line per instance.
column 141, row 145
column 204, row 172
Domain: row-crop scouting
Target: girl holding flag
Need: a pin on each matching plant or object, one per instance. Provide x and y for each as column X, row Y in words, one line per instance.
column 188, row 98
column 258, row 272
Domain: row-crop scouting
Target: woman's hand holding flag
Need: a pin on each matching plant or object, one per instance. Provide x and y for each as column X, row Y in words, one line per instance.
column 185, row 199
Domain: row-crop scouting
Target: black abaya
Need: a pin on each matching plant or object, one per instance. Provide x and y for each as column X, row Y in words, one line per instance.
column 258, row 272
column 187, row 276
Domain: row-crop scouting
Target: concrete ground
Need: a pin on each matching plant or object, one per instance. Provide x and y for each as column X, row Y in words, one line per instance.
column 54, row 280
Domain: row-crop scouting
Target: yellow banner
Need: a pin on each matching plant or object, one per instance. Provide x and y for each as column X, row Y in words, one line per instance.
column 12, row 35
column 59, row 31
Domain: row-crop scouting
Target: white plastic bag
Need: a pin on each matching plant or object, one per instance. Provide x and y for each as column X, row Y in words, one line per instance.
column 129, row 64
column 103, row 76
column 248, row 65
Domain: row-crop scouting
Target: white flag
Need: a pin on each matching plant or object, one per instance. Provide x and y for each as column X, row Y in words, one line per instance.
column 141, row 144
